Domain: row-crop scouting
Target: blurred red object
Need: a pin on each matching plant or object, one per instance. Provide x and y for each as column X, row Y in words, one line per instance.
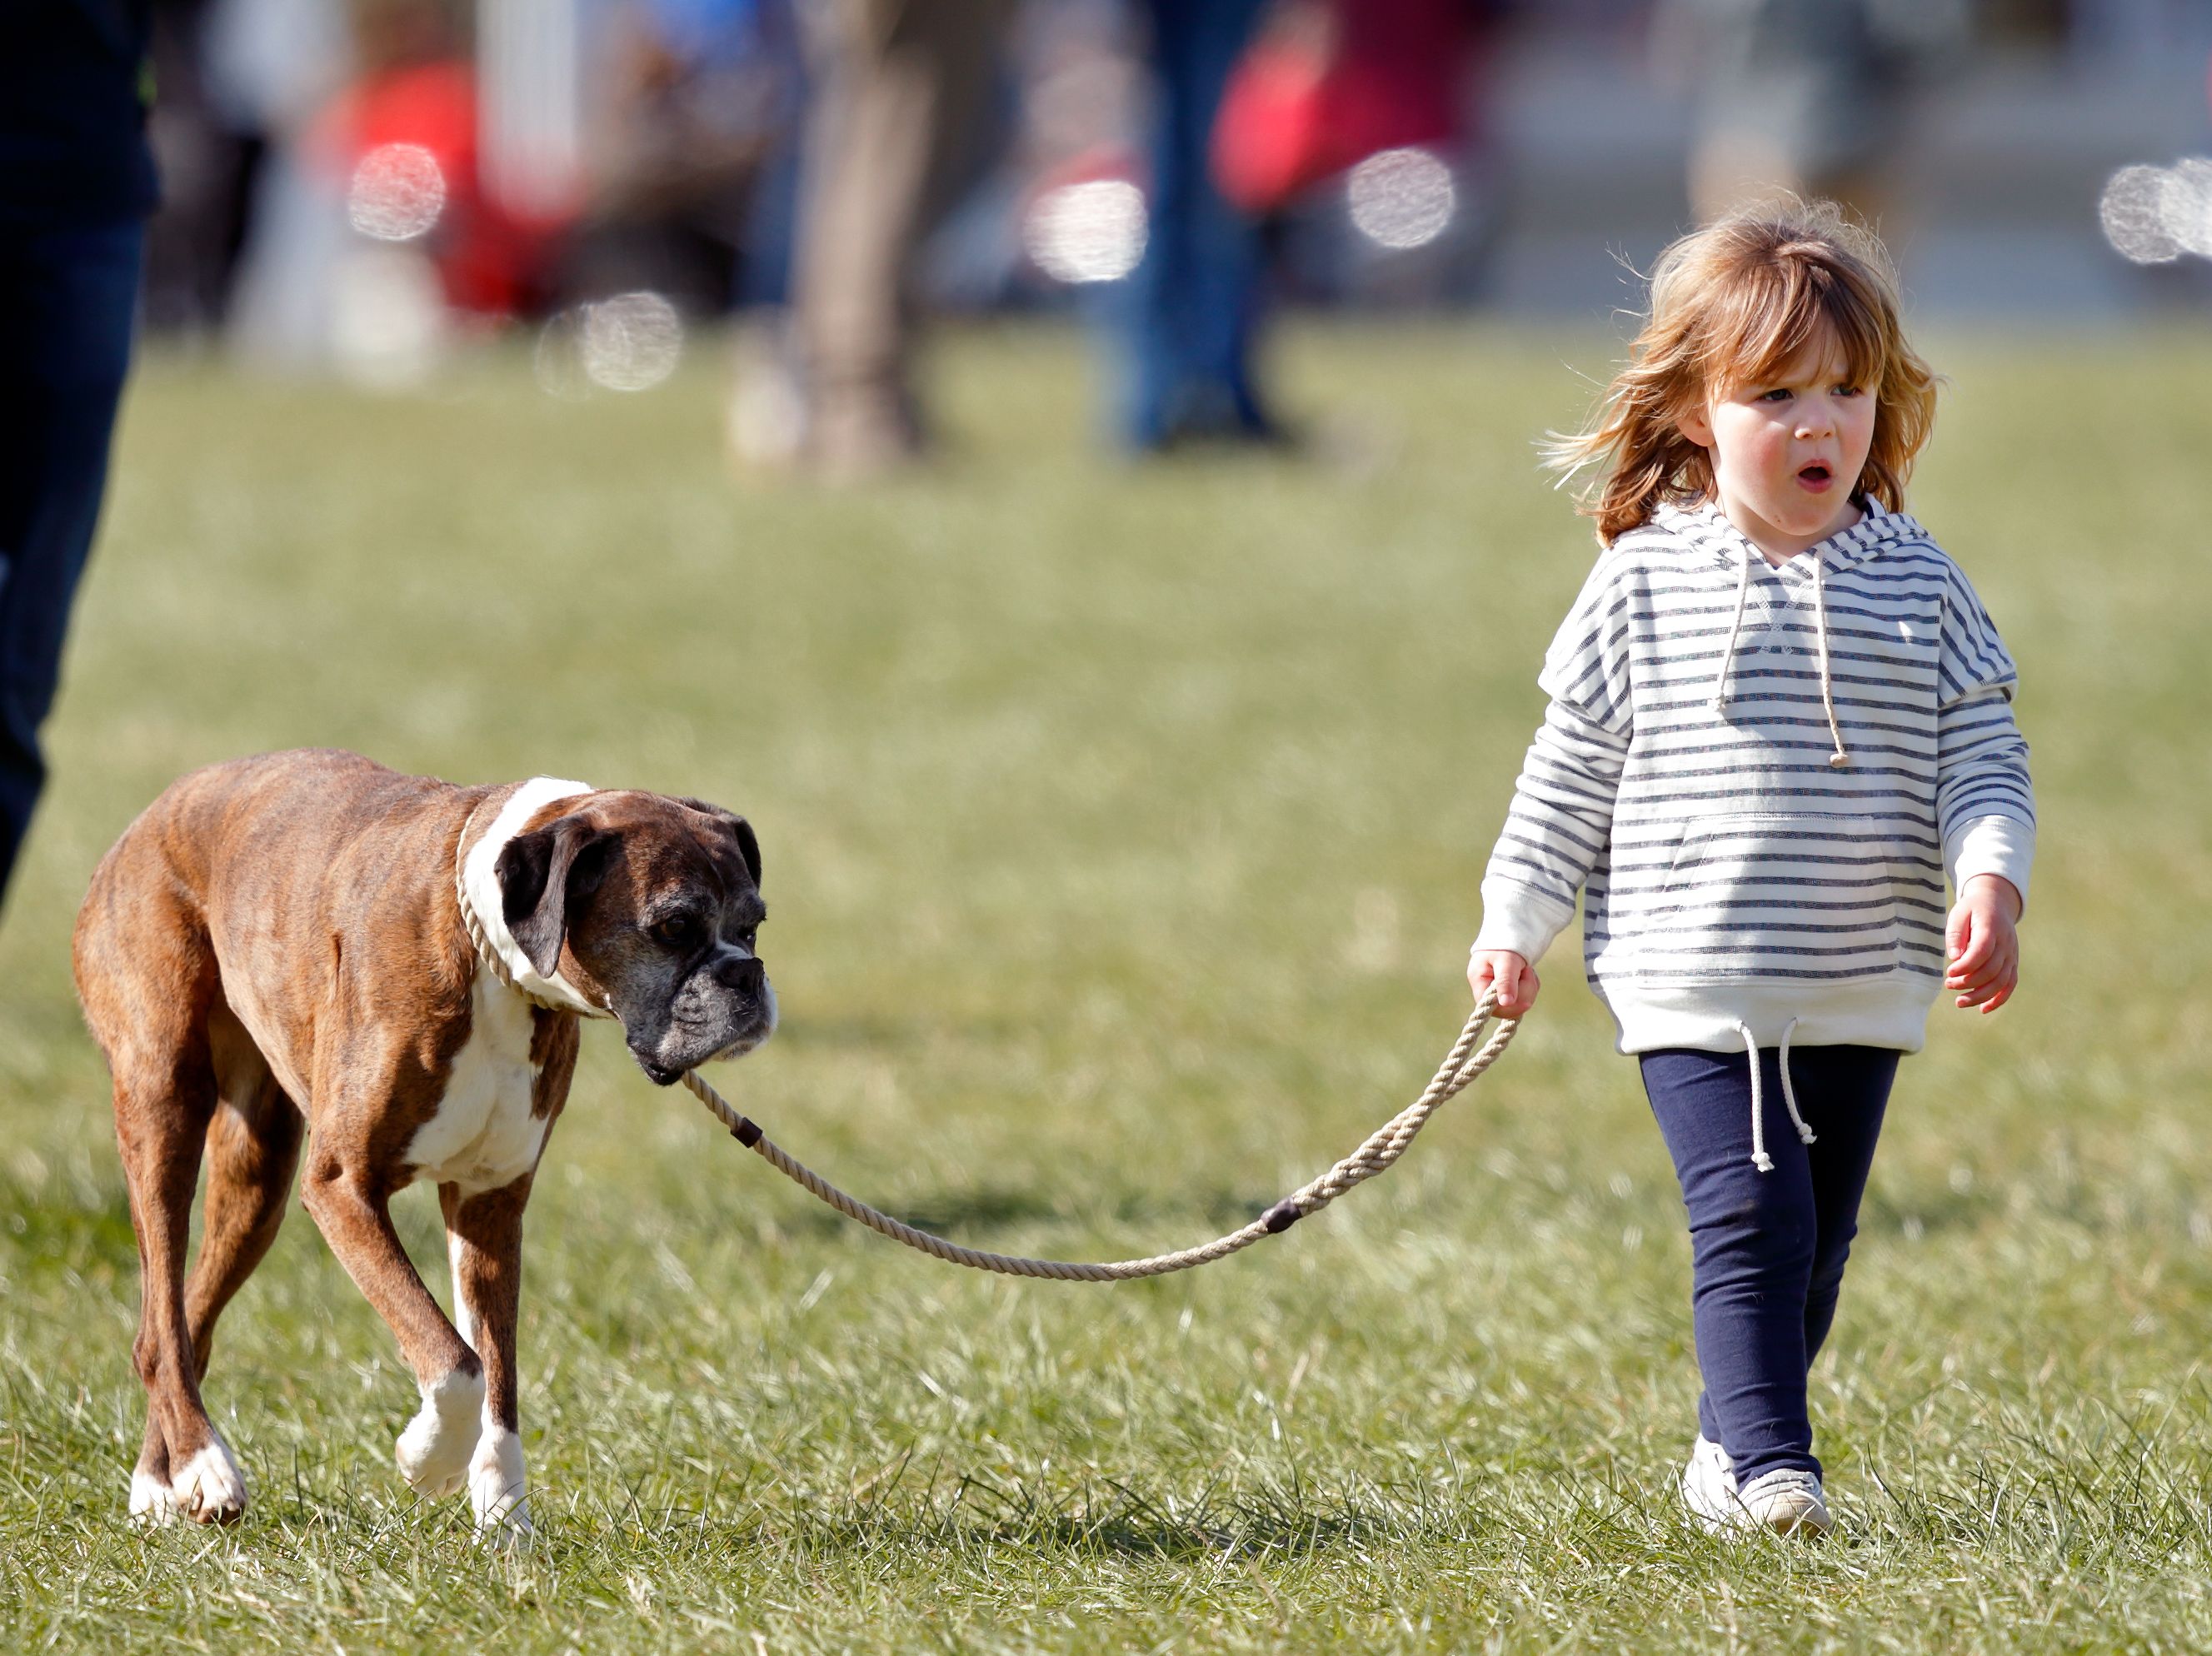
column 488, row 261
column 1327, row 83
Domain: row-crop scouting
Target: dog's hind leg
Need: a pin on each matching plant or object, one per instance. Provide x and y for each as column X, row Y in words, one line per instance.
column 147, row 975
column 253, row 1149
column 163, row 1112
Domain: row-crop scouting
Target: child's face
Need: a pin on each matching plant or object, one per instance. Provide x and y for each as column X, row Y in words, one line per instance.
column 1788, row 451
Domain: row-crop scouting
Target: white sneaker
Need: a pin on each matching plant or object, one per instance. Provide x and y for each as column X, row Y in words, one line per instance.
column 1787, row 1500
column 1709, row 1486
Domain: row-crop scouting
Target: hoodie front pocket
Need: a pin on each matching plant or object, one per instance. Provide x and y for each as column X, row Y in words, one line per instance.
column 1775, row 894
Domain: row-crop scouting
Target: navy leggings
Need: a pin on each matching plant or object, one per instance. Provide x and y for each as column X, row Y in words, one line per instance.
column 1767, row 1249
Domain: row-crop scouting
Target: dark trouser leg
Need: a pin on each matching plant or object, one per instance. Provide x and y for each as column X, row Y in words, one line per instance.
column 1767, row 1249
column 1192, row 300
column 66, row 301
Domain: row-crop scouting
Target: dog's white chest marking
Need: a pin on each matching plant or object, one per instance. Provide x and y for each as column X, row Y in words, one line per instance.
column 483, row 1135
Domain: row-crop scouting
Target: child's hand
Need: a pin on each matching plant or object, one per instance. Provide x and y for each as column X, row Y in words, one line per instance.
column 1515, row 977
column 1982, row 942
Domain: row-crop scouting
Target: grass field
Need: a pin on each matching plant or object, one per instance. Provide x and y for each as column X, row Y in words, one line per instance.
column 1122, row 830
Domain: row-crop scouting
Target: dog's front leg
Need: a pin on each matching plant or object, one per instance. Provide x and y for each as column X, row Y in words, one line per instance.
column 353, row 1212
column 483, row 1238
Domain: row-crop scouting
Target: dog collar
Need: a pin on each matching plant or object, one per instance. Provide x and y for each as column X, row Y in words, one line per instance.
column 480, row 889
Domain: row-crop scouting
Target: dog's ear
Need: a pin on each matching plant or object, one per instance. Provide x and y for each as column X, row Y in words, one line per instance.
column 748, row 847
column 543, row 875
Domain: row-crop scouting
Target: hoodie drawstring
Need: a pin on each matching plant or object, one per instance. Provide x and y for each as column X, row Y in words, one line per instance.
column 1736, row 628
column 1838, row 759
column 1790, row 1093
column 1760, row 1158
column 1718, row 701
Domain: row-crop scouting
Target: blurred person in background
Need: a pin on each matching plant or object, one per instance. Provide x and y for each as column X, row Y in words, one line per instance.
column 373, row 240
column 414, row 89
column 77, row 184
column 1325, row 88
column 695, row 97
column 209, row 149
column 273, row 66
column 1807, row 97
column 901, row 91
column 1256, row 106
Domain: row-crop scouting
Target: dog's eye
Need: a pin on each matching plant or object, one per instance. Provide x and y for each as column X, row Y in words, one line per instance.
column 748, row 937
column 676, row 932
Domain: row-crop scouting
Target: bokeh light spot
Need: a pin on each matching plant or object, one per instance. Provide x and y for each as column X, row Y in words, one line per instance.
column 1089, row 232
column 399, row 190
column 2185, row 203
column 1402, row 198
column 631, row 342
column 555, row 361
column 2132, row 210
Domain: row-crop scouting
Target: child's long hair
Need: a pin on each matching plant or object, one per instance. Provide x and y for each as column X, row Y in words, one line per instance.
column 1730, row 305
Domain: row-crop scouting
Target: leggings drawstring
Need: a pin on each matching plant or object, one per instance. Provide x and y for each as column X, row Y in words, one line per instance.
column 1760, row 1158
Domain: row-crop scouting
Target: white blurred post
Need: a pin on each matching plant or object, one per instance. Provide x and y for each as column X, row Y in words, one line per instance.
column 530, row 104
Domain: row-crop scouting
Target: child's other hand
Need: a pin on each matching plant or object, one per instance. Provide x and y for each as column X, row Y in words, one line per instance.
column 1983, row 944
column 1515, row 977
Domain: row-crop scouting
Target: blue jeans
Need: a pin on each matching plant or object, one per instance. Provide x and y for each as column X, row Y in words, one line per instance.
column 1191, row 305
column 67, row 298
column 1767, row 1249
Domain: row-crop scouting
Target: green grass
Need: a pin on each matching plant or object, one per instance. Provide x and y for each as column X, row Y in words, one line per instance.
column 1122, row 830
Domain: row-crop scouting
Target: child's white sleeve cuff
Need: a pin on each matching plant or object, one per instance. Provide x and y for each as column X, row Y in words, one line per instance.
column 2002, row 845
column 1521, row 918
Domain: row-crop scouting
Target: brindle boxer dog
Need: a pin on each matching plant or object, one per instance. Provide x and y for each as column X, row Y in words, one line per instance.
column 276, row 947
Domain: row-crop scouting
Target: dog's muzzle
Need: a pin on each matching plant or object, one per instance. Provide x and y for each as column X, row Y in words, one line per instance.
column 742, row 1015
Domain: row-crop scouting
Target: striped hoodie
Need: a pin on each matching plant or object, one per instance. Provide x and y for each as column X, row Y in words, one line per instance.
column 1760, row 775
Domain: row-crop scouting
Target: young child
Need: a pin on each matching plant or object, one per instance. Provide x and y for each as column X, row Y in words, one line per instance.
column 1778, row 715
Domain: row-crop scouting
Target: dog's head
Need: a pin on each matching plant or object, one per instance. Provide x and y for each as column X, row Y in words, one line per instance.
column 651, row 907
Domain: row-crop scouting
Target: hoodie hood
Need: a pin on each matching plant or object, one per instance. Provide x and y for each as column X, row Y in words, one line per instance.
column 1705, row 532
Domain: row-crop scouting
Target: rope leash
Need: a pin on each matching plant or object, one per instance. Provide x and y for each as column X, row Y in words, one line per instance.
column 1471, row 1054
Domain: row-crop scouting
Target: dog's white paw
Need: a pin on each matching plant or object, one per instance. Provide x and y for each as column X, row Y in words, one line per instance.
column 434, row 1451
column 211, row 1487
column 151, row 1503
column 497, row 1486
